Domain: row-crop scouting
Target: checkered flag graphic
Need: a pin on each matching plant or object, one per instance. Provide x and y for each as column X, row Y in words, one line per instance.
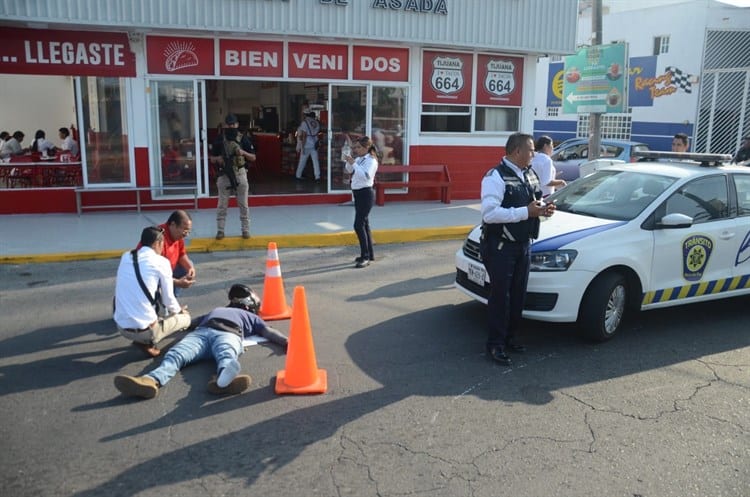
column 682, row 79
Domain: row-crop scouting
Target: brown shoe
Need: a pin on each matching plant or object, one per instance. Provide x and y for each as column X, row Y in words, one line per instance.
column 239, row 384
column 141, row 386
column 245, row 234
column 148, row 349
column 219, row 235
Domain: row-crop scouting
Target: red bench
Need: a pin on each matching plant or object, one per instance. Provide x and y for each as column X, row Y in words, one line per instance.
column 419, row 176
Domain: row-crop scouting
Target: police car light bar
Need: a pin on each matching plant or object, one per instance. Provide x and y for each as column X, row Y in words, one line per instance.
column 705, row 160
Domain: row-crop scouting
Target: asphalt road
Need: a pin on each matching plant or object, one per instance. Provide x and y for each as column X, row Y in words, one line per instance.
column 413, row 406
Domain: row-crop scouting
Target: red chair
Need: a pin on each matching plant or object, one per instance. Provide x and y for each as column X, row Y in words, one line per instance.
column 22, row 176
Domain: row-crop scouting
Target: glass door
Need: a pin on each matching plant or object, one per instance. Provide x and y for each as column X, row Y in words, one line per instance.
column 178, row 137
column 348, row 121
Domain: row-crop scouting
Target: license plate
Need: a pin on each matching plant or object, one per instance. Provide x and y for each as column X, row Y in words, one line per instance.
column 477, row 274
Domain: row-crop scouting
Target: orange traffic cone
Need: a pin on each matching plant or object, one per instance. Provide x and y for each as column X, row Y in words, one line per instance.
column 301, row 373
column 273, row 306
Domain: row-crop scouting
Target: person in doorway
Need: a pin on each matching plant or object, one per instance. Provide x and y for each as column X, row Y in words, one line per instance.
column 511, row 205
column 144, row 282
column 362, row 165
column 12, row 145
column 544, row 167
column 218, row 336
column 232, row 152
column 680, row 143
column 743, row 154
column 68, row 143
column 307, row 145
column 41, row 145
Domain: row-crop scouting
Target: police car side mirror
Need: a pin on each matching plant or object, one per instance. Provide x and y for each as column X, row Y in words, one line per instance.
column 677, row 220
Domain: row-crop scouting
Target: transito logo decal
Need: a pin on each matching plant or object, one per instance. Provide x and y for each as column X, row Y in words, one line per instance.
column 696, row 251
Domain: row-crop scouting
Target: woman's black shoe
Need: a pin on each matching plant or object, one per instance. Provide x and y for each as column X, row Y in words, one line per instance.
column 497, row 355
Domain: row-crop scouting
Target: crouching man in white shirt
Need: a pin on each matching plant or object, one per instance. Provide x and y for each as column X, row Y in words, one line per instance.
column 136, row 307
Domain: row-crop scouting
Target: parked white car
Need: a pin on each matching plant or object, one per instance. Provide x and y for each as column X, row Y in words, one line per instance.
column 637, row 236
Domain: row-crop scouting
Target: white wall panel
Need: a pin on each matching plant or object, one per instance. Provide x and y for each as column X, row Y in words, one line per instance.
column 536, row 26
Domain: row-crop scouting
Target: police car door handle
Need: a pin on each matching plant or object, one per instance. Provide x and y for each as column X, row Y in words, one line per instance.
column 726, row 235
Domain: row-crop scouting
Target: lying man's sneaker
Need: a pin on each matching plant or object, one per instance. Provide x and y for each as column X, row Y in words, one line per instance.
column 227, row 373
column 141, row 386
column 238, row 385
column 219, row 235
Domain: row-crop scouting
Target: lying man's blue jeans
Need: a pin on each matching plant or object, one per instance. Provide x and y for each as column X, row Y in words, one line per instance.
column 198, row 345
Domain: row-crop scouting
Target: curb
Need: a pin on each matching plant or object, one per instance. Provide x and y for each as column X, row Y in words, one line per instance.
column 207, row 245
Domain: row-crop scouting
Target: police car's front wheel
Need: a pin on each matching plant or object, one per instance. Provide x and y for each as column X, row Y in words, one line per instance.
column 603, row 307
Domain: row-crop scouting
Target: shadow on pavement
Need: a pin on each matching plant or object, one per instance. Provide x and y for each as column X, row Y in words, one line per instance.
column 409, row 359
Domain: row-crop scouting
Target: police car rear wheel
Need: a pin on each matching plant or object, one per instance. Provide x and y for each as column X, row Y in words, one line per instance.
column 603, row 307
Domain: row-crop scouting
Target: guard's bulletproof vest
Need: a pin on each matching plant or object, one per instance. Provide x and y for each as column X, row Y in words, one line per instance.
column 517, row 194
column 232, row 150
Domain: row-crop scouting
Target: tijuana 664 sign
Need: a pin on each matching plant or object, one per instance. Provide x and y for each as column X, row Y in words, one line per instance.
column 446, row 78
column 499, row 80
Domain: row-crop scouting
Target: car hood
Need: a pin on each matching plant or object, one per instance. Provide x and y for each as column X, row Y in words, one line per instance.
column 564, row 228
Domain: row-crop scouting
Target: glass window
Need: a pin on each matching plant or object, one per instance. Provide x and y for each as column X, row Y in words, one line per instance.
column 742, row 185
column 172, row 115
column 446, row 118
column 389, row 123
column 105, row 120
column 497, row 119
column 704, row 199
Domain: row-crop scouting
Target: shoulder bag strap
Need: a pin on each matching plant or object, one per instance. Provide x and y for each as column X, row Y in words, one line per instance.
column 151, row 299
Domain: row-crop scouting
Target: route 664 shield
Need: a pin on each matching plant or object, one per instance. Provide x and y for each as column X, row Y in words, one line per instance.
column 500, row 80
column 447, row 76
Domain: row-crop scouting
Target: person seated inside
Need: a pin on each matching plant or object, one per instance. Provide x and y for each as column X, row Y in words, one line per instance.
column 68, row 143
column 41, row 145
column 12, row 145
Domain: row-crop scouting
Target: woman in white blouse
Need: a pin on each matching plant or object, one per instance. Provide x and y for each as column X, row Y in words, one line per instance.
column 41, row 144
column 362, row 166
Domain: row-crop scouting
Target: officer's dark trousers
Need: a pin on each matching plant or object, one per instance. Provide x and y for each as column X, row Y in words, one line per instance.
column 508, row 268
column 363, row 200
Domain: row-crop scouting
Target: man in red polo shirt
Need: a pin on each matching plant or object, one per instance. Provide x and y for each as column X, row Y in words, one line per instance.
column 176, row 228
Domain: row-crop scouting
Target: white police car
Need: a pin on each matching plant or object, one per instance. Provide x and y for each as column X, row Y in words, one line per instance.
column 673, row 230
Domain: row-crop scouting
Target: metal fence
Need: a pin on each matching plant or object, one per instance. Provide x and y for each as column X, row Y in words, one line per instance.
column 724, row 106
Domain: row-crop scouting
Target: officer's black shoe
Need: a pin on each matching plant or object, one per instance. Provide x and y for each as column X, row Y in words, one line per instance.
column 513, row 346
column 497, row 355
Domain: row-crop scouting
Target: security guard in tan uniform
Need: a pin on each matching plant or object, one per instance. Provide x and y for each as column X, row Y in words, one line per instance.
column 232, row 152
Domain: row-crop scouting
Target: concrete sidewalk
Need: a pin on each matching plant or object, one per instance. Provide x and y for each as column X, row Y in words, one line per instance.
column 103, row 235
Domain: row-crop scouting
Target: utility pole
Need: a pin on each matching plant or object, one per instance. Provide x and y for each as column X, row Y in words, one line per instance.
column 595, row 118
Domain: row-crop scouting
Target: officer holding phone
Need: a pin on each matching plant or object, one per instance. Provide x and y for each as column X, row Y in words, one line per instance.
column 511, row 206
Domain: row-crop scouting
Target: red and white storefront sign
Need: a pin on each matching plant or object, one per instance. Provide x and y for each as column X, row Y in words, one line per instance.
column 499, row 80
column 446, row 77
column 251, row 58
column 380, row 64
column 65, row 53
column 268, row 59
column 180, row 55
column 318, row 61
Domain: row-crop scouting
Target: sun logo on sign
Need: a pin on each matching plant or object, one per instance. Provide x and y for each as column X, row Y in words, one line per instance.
column 179, row 55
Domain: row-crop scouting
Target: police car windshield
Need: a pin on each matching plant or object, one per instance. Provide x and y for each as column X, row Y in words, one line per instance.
column 617, row 195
